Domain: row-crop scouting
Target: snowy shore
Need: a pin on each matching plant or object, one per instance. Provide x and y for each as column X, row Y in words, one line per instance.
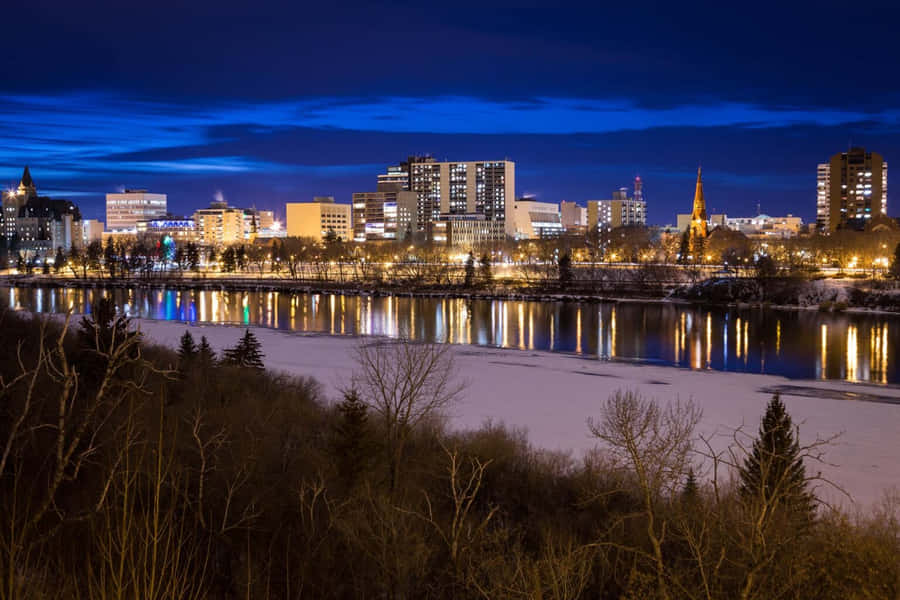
column 551, row 395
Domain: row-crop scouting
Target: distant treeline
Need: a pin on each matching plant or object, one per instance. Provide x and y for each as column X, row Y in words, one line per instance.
column 133, row 471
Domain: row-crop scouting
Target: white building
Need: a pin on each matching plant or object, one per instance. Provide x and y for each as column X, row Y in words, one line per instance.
column 124, row 210
column 536, row 220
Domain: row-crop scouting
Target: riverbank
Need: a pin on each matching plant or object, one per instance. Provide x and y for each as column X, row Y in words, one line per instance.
column 550, row 395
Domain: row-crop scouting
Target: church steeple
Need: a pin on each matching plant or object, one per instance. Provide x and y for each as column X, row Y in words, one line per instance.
column 698, row 215
column 26, row 185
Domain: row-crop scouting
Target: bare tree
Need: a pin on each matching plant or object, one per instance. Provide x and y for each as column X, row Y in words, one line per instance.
column 405, row 384
column 652, row 444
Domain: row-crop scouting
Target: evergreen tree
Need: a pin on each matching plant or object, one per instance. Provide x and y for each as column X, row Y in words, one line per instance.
column 895, row 263
column 486, row 275
column 187, row 349
column 691, row 491
column 20, row 262
column 110, row 258
column 470, row 270
column 352, row 443
column 247, row 353
column 206, row 356
column 565, row 270
column 211, row 255
column 773, row 473
column 45, row 269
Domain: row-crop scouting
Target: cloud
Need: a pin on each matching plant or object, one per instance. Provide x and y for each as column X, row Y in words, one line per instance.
column 89, row 134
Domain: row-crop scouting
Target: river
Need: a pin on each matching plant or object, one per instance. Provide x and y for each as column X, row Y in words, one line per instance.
column 796, row 344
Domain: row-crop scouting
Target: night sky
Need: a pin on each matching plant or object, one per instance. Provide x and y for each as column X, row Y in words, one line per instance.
column 267, row 103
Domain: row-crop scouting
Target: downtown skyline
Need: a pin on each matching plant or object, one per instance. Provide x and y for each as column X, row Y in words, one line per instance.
column 267, row 113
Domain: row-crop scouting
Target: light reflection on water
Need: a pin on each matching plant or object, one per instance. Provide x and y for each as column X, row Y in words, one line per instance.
column 796, row 344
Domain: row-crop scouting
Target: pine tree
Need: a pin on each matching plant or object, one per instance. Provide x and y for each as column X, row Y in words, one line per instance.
column 187, row 349
column 206, row 356
column 685, row 248
column 352, row 444
column 470, row 270
column 773, row 473
column 247, row 353
column 565, row 270
column 691, row 491
column 485, row 267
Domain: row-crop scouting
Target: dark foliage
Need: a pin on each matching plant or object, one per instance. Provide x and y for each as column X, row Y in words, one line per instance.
column 247, row 353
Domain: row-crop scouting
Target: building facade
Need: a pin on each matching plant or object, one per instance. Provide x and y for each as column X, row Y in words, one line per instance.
column 219, row 224
column 319, row 219
column 621, row 211
column 486, row 188
column 466, row 230
column 851, row 190
column 387, row 214
column 124, row 210
column 536, row 220
column 38, row 224
column 572, row 215
column 179, row 229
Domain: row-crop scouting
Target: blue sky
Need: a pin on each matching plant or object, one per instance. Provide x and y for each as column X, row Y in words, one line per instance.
column 282, row 101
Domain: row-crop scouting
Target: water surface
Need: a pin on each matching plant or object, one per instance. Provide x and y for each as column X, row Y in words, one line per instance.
column 799, row 344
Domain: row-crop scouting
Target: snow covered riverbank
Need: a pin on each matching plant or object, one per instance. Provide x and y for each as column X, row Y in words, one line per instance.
column 551, row 395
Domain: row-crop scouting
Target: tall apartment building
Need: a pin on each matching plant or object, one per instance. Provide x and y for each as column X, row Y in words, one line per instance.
column 851, row 189
column 219, row 224
column 124, row 210
column 319, row 219
column 486, row 188
column 386, row 214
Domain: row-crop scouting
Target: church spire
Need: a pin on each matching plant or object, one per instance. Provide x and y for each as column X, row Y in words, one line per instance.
column 698, row 215
column 26, row 185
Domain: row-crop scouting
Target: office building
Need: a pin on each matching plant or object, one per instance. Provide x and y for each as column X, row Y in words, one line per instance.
column 124, row 210
column 386, row 214
column 467, row 230
column 219, row 224
column 320, row 219
column 536, row 220
column 485, row 188
column 179, row 229
column 572, row 216
column 851, row 190
column 620, row 211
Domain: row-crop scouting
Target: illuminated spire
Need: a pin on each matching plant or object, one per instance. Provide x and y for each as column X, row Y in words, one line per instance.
column 698, row 215
column 26, row 186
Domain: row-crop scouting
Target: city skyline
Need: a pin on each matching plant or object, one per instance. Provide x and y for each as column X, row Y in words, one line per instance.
column 582, row 101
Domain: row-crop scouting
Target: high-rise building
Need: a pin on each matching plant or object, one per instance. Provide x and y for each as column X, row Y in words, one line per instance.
column 486, row 188
column 386, row 214
column 320, row 219
column 124, row 210
column 851, row 189
column 219, row 224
